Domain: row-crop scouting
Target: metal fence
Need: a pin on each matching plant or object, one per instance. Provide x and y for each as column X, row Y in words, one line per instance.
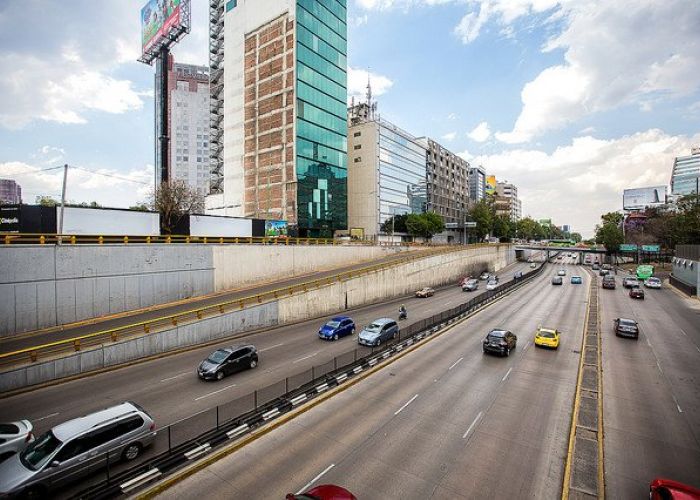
column 185, row 439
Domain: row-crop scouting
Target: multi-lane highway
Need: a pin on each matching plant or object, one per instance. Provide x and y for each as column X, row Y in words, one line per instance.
column 445, row 421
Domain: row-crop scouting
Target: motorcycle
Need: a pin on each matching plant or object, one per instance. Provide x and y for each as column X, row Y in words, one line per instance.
column 403, row 315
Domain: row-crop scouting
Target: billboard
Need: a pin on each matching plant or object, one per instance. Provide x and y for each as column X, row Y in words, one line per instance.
column 208, row 225
column 275, row 228
column 158, row 17
column 490, row 188
column 109, row 222
column 641, row 198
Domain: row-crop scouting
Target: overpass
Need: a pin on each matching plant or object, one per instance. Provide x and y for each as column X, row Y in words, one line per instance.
column 552, row 249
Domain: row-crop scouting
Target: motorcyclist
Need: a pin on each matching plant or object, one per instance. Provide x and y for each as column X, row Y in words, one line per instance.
column 402, row 311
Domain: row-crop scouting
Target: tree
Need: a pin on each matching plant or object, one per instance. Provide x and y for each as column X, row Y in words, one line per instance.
column 425, row 225
column 140, row 207
column 576, row 237
column 46, row 201
column 482, row 213
column 612, row 218
column 610, row 235
column 174, row 201
column 528, row 229
column 399, row 224
column 502, row 227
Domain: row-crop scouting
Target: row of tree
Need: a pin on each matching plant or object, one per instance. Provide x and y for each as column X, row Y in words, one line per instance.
column 425, row 225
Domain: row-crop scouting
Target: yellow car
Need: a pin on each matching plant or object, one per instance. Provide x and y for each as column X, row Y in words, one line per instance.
column 547, row 337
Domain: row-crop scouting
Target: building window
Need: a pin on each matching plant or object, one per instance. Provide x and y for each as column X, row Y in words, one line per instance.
column 358, row 159
column 357, row 134
column 358, row 146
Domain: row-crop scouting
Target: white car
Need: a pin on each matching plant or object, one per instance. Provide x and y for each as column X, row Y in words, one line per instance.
column 533, row 265
column 562, row 272
column 653, row 283
column 14, row 437
column 492, row 284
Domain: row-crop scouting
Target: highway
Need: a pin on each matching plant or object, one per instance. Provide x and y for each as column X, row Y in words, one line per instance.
column 444, row 421
column 651, row 391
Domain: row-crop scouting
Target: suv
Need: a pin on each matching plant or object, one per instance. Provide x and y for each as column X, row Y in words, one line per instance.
column 557, row 280
column 609, row 282
column 630, row 282
column 226, row 361
column 499, row 341
column 378, row 331
column 76, row 448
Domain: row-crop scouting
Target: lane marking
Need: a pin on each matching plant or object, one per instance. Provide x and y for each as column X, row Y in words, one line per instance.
column 648, row 343
column 455, row 363
column 47, row 416
column 683, row 332
column 215, row 392
column 176, row 376
column 271, row 347
column 478, row 417
column 679, row 408
column 659, row 367
column 507, row 373
column 404, row 406
column 526, row 346
column 307, row 485
column 305, row 357
column 448, row 302
column 698, row 348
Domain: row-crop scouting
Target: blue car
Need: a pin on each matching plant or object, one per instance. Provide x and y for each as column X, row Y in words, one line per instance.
column 576, row 280
column 337, row 327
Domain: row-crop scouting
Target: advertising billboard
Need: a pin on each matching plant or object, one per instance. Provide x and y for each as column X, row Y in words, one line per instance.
column 109, row 222
column 208, row 225
column 158, row 17
column 490, row 188
column 641, row 198
column 275, row 228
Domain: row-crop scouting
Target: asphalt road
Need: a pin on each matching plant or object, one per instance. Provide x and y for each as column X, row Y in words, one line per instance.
column 651, row 391
column 444, row 421
column 29, row 339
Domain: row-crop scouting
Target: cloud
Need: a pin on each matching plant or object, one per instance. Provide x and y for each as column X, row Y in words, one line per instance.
column 357, row 83
column 100, row 185
column 358, row 21
column 590, row 172
column 49, row 155
column 613, row 56
column 480, row 133
column 452, row 116
column 450, row 136
column 466, row 155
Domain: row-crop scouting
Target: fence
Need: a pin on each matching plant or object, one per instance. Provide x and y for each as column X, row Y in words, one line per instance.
column 684, row 287
column 193, row 436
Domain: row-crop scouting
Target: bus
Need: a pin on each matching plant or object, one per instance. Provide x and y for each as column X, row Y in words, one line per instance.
column 645, row 271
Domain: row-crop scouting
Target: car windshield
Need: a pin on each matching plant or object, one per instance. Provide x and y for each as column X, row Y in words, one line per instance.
column 374, row 327
column 218, row 356
column 9, row 429
column 496, row 335
column 36, row 454
column 627, row 322
column 333, row 324
column 653, row 280
column 548, row 334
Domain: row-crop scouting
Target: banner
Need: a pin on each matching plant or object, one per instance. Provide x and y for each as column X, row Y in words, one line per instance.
column 275, row 228
column 641, row 198
column 158, row 17
column 490, row 188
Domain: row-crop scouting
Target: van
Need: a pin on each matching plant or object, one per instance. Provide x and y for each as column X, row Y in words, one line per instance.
column 76, row 448
column 378, row 331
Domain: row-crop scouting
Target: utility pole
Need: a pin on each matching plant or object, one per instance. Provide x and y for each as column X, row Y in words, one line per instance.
column 63, row 202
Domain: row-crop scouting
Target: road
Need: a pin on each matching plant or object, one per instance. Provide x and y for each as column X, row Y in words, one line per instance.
column 444, row 421
column 651, row 391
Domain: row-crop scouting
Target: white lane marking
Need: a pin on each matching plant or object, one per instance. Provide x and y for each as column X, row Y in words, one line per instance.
column 307, row 485
column 305, row 357
column 507, row 373
column 215, row 392
column 659, row 367
column 176, row 376
column 271, row 347
column 648, row 343
column 455, row 363
column 47, row 416
column 527, row 344
column 698, row 348
column 404, row 406
column 478, row 417
column 448, row 302
column 683, row 332
column 679, row 408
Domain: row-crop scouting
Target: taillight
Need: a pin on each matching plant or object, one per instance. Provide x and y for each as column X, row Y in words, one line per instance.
column 153, row 426
column 29, row 437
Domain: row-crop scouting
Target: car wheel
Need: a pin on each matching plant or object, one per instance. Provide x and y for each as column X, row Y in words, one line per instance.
column 352, row 332
column 335, row 336
column 507, row 351
column 131, row 452
column 394, row 335
column 32, row 492
column 377, row 342
column 219, row 375
column 253, row 363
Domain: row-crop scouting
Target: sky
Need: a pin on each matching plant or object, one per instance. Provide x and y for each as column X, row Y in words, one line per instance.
column 573, row 101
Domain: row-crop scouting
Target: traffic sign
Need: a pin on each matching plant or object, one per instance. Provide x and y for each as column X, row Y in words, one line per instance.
column 628, row 248
column 651, row 248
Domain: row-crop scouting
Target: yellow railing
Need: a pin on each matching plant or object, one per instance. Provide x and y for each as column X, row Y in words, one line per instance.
column 152, row 325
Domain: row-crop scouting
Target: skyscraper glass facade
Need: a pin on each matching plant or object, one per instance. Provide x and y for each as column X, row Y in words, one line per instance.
column 686, row 171
column 321, row 117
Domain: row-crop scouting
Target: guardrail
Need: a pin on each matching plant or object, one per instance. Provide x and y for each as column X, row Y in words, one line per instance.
column 74, row 344
column 192, row 437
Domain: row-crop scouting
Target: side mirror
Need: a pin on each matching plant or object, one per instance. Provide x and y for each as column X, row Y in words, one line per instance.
column 55, row 463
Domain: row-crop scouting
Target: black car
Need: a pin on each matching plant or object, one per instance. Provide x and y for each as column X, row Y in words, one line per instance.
column 637, row 293
column 228, row 360
column 626, row 328
column 603, row 272
column 557, row 280
column 595, row 267
column 609, row 282
column 500, row 342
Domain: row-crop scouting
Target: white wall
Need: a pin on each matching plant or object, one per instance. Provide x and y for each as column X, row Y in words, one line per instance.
column 96, row 221
column 202, row 225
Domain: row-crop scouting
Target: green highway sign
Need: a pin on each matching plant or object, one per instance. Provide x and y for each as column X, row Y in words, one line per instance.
column 651, row 248
column 628, row 248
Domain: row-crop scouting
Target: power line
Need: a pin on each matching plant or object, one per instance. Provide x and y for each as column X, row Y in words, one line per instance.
column 111, row 175
column 36, row 171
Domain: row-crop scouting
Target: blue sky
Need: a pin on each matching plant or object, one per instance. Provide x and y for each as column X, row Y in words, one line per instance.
column 572, row 101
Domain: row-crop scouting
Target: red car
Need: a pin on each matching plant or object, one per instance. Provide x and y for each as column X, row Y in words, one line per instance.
column 665, row 489
column 323, row 492
column 637, row 293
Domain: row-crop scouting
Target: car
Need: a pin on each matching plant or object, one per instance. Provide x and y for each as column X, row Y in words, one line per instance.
column 337, row 327
column 227, row 361
column 653, row 283
column 576, row 280
column 637, row 293
column 557, row 280
column 603, row 272
column 470, row 285
column 464, row 279
column 14, row 437
column 547, row 337
column 378, row 331
column 492, row 284
column 626, row 328
column 630, row 282
column 499, row 341
column 595, row 267
column 425, row 292
column 666, row 489
column 607, row 267
column 533, row 265
column 323, row 492
column 518, row 275
column 76, row 448
column 484, row 276
column 561, row 272
column 609, row 282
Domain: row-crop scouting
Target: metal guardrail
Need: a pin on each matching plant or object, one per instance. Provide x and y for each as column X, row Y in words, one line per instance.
column 75, row 344
column 194, row 436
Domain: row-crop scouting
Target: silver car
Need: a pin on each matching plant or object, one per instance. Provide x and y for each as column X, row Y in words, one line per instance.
column 14, row 437
column 77, row 448
column 378, row 331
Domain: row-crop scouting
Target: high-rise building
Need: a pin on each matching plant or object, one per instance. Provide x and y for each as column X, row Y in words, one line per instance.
column 386, row 171
column 477, row 184
column 10, row 192
column 507, row 201
column 686, row 173
column 279, row 112
column 189, row 125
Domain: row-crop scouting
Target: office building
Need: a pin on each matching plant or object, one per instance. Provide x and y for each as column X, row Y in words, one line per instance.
column 189, row 125
column 477, row 184
column 386, row 171
column 507, row 201
column 686, row 173
column 279, row 112
column 10, row 192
